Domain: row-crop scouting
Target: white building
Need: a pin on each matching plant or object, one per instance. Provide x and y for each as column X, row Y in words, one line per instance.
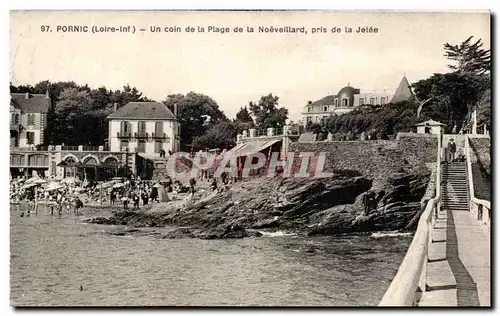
column 28, row 119
column 144, row 127
column 430, row 127
column 348, row 98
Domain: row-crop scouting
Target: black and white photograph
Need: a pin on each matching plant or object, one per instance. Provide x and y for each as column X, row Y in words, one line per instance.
column 290, row 158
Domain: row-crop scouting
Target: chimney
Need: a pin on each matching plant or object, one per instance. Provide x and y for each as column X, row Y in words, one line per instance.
column 27, row 95
column 115, row 106
column 309, row 102
column 175, row 109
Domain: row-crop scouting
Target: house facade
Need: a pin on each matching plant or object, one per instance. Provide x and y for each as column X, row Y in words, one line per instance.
column 28, row 118
column 348, row 98
column 143, row 127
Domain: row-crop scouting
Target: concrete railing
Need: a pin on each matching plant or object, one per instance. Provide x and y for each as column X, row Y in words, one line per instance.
column 412, row 272
column 480, row 209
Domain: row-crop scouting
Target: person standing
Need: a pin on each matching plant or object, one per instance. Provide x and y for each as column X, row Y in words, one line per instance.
column 192, row 183
column 452, row 149
column 136, row 201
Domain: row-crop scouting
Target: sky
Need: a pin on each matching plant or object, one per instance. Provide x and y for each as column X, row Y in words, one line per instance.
column 236, row 68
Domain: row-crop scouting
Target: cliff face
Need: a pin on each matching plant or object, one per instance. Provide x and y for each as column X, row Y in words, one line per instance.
column 324, row 206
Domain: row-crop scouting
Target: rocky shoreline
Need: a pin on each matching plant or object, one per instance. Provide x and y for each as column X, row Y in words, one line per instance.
column 304, row 206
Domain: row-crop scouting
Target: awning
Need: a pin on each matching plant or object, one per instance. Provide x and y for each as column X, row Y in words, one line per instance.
column 249, row 148
column 255, row 147
column 269, row 144
column 233, row 150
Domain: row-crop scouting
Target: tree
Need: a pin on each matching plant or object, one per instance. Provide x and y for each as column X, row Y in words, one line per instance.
column 470, row 58
column 267, row 114
column 452, row 96
column 196, row 113
column 71, row 114
column 221, row 135
column 244, row 116
column 128, row 94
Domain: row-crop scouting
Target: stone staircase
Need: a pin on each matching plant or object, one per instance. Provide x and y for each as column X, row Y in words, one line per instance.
column 454, row 188
column 443, row 270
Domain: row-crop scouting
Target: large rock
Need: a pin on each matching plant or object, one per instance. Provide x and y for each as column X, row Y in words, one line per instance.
column 324, row 206
column 320, row 194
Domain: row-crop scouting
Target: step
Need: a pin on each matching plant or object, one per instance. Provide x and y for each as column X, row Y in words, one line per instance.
column 440, row 276
column 439, row 298
column 437, row 251
column 438, row 235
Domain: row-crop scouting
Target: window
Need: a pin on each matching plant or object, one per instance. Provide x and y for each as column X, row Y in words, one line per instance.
column 141, row 146
column 308, row 109
column 382, row 100
column 17, row 160
column 344, row 102
column 141, row 128
column 30, row 138
column 125, row 128
column 13, row 118
column 31, row 119
column 158, row 146
column 336, row 102
column 361, row 101
column 372, row 101
column 308, row 119
column 325, row 108
column 159, row 129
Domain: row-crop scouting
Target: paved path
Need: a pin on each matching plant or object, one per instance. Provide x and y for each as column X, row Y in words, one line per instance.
column 458, row 271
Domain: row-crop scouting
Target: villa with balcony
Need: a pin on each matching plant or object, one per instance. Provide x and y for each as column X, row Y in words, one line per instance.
column 143, row 127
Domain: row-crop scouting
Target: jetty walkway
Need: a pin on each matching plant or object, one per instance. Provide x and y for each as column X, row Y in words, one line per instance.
column 448, row 262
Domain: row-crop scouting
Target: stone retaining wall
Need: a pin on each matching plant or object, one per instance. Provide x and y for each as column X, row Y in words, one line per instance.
column 375, row 159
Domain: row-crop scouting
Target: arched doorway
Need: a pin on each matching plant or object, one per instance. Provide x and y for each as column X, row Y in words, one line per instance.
column 111, row 167
column 70, row 167
column 90, row 165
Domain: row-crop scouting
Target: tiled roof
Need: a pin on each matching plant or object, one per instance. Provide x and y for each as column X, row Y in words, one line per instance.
column 34, row 103
column 143, row 110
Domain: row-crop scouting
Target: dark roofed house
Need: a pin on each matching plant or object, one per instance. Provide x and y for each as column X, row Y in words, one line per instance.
column 143, row 110
column 28, row 118
column 144, row 127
